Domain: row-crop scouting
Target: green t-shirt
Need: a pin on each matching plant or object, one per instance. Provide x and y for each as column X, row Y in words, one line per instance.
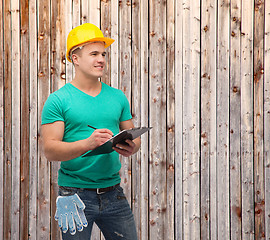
column 77, row 110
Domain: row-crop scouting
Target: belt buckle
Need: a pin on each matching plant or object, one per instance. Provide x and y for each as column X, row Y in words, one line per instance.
column 100, row 192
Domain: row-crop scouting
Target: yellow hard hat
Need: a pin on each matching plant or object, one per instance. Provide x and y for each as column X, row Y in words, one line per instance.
column 84, row 33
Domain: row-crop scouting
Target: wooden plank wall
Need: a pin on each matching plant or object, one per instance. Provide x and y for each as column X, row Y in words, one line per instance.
column 196, row 71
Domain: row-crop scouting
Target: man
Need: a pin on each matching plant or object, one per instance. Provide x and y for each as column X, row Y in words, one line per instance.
column 88, row 186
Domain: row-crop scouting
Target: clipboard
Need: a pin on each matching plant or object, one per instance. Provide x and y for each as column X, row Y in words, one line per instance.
column 119, row 138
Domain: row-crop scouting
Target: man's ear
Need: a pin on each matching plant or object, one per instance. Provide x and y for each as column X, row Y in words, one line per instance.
column 75, row 59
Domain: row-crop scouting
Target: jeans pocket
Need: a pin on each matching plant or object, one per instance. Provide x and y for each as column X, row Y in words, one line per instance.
column 120, row 193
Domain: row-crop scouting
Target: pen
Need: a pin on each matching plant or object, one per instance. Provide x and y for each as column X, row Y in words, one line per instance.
column 91, row 127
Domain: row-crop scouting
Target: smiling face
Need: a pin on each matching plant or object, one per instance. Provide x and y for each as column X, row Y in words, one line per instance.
column 90, row 60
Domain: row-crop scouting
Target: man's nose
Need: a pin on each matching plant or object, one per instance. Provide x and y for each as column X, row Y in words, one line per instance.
column 101, row 58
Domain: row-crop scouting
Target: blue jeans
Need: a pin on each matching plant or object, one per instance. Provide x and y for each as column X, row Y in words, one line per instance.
column 110, row 211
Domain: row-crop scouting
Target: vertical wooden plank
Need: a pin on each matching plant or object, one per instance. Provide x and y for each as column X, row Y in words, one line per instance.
column 43, row 227
column 114, row 46
column 7, row 119
column 33, row 134
column 94, row 18
column 267, row 119
column 247, row 119
column 105, row 13
column 157, row 106
column 15, row 55
column 84, row 11
column 178, row 222
column 235, row 120
column 76, row 21
column 58, row 43
column 208, row 120
column 76, row 13
column 24, row 158
column 136, row 111
column 191, row 97
column 144, row 41
column 68, row 27
column 94, row 12
column 259, row 194
column 2, row 123
column 169, row 224
column 223, row 221
column 125, row 79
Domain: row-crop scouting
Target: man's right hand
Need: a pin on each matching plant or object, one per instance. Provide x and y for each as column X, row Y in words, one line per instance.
column 99, row 137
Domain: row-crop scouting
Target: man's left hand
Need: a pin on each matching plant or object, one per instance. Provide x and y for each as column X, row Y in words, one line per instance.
column 125, row 150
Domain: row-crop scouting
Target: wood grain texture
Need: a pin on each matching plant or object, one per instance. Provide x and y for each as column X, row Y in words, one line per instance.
column 7, row 120
column 33, row 119
column 179, row 120
column 259, row 190
column 223, row 192
column 208, row 119
column 191, row 148
column 170, row 108
column 144, row 104
column 235, row 120
column 2, row 123
column 125, row 80
column 24, row 115
column 195, row 71
column 157, row 113
column 247, row 130
column 44, row 85
column 267, row 120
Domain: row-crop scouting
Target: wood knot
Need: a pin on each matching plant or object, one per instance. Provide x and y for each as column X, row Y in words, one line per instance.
column 41, row 74
column 41, row 36
column 237, row 210
column 63, row 59
column 23, row 31
column 63, row 76
column 152, row 222
column 171, row 167
column 52, row 70
column 204, row 135
column 206, row 28
column 170, row 129
column 152, row 34
column 235, row 89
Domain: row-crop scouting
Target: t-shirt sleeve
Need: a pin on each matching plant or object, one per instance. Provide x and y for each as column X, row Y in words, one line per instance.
column 52, row 110
column 126, row 114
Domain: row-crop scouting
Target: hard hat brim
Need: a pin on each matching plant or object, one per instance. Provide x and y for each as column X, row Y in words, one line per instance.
column 107, row 41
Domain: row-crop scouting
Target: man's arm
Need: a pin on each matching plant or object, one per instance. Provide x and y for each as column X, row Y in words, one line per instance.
column 57, row 150
column 133, row 146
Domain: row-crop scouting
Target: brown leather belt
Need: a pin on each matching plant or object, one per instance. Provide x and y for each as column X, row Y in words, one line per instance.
column 102, row 190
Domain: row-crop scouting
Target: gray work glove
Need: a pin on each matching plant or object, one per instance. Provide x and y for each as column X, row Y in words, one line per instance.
column 68, row 209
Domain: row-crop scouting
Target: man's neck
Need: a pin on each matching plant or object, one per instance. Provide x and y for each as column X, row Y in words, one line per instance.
column 89, row 86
